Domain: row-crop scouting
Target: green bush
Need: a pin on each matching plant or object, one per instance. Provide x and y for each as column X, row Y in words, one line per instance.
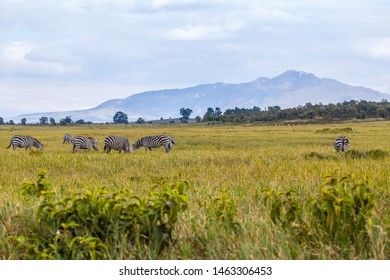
column 83, row 225
column 341, row 218
column 223, row 211
column 372, row 154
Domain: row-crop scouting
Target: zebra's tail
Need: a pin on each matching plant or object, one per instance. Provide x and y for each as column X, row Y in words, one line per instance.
column 9, row 145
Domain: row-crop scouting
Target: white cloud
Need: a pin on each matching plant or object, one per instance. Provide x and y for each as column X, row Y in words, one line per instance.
column 196, row 32
column 376, row 48
column 23, row 58
column 203, row 31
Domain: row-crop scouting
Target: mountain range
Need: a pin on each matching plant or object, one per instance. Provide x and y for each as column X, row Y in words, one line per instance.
column 290, row 89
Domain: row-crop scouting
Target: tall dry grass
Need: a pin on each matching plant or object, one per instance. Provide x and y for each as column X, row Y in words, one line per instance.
column 241, row 159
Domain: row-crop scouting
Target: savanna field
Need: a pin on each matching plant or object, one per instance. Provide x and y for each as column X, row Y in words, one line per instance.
column 223, row 192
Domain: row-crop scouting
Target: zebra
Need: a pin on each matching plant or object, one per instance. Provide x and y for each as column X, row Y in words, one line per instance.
column 116, row 143
column 25, row 142
column 150, row 142
column 84, row 143
column 341, row 144
column 67, row 138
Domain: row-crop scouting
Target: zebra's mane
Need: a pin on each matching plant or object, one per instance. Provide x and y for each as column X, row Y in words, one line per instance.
column 36, row 140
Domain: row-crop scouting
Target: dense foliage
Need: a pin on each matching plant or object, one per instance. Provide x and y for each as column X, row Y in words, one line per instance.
column 344, row 110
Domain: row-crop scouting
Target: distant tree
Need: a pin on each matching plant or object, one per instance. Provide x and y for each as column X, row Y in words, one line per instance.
column 140, row 120
column 185, row 114
column 23, row 121
column 198, row 119
column 43, row 120
column 81, row 121
column 210, row 111
column 1, row 121
column 11, row 122
column 66, row 120
column 52, row 121
column 217, row 111
column 120, row 117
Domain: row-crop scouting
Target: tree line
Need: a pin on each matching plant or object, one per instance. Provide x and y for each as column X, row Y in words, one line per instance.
column 352, row 109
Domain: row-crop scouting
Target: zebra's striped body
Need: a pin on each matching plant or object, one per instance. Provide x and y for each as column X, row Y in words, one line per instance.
column 341, row 144
column 84, row 143
column 67, row 138
column 150, row 142
column 116, row 143
column 25, row 142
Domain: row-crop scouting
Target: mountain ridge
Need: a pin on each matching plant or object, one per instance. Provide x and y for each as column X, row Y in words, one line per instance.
column 289, row 89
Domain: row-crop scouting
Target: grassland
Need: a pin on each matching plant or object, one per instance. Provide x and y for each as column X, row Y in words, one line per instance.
column 242, row 160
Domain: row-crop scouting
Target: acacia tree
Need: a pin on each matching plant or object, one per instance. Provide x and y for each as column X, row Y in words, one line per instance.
column 120, row 117
column 43, row 120
column 185, row 114
column 67, row 120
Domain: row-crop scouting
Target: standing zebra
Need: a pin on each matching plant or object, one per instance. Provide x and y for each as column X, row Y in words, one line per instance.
column 84, row 143
column 116, row 143
column 67, row 138
column 341, row 144
column 25, row 142
column 150, row 142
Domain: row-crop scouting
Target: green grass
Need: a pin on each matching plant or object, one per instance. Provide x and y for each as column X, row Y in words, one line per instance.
column 233, row 161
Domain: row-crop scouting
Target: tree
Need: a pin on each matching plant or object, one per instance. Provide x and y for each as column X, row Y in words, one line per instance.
column 217, row 112
column 186, row 114
column 52, row 121
column 67, row 120
column 120, row 117
column 210, row 111
column 140, row 121
column 1, row 121
column 81, row 121
column 23, row 121
column 43, row 120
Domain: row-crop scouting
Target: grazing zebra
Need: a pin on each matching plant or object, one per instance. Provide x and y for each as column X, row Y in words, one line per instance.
column 25, row 142
column 67, row 138
column 84, row 143
column 150, row 142
column 341, row 144
column 116, row 143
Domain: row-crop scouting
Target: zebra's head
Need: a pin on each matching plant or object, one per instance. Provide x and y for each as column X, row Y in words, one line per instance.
column 94, row 143
column 345, row 143
column 137, row 145
column 38, row 144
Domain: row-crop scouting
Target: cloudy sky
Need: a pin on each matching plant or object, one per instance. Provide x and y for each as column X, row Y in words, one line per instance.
column 69, row 55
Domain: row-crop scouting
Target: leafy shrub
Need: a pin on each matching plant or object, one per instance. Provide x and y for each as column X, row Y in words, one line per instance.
column 223, row 211
column 372, row 154
column 83, row 225
column 36, row 189
column 341, row 217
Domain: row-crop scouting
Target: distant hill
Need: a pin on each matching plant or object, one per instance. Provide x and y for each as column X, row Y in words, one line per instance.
column 290, row 89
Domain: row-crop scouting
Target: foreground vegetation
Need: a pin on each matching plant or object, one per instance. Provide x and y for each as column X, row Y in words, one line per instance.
column 224, row 192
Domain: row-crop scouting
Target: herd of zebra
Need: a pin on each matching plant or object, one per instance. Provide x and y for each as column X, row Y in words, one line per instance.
column 110, row 143
column 120, row 144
